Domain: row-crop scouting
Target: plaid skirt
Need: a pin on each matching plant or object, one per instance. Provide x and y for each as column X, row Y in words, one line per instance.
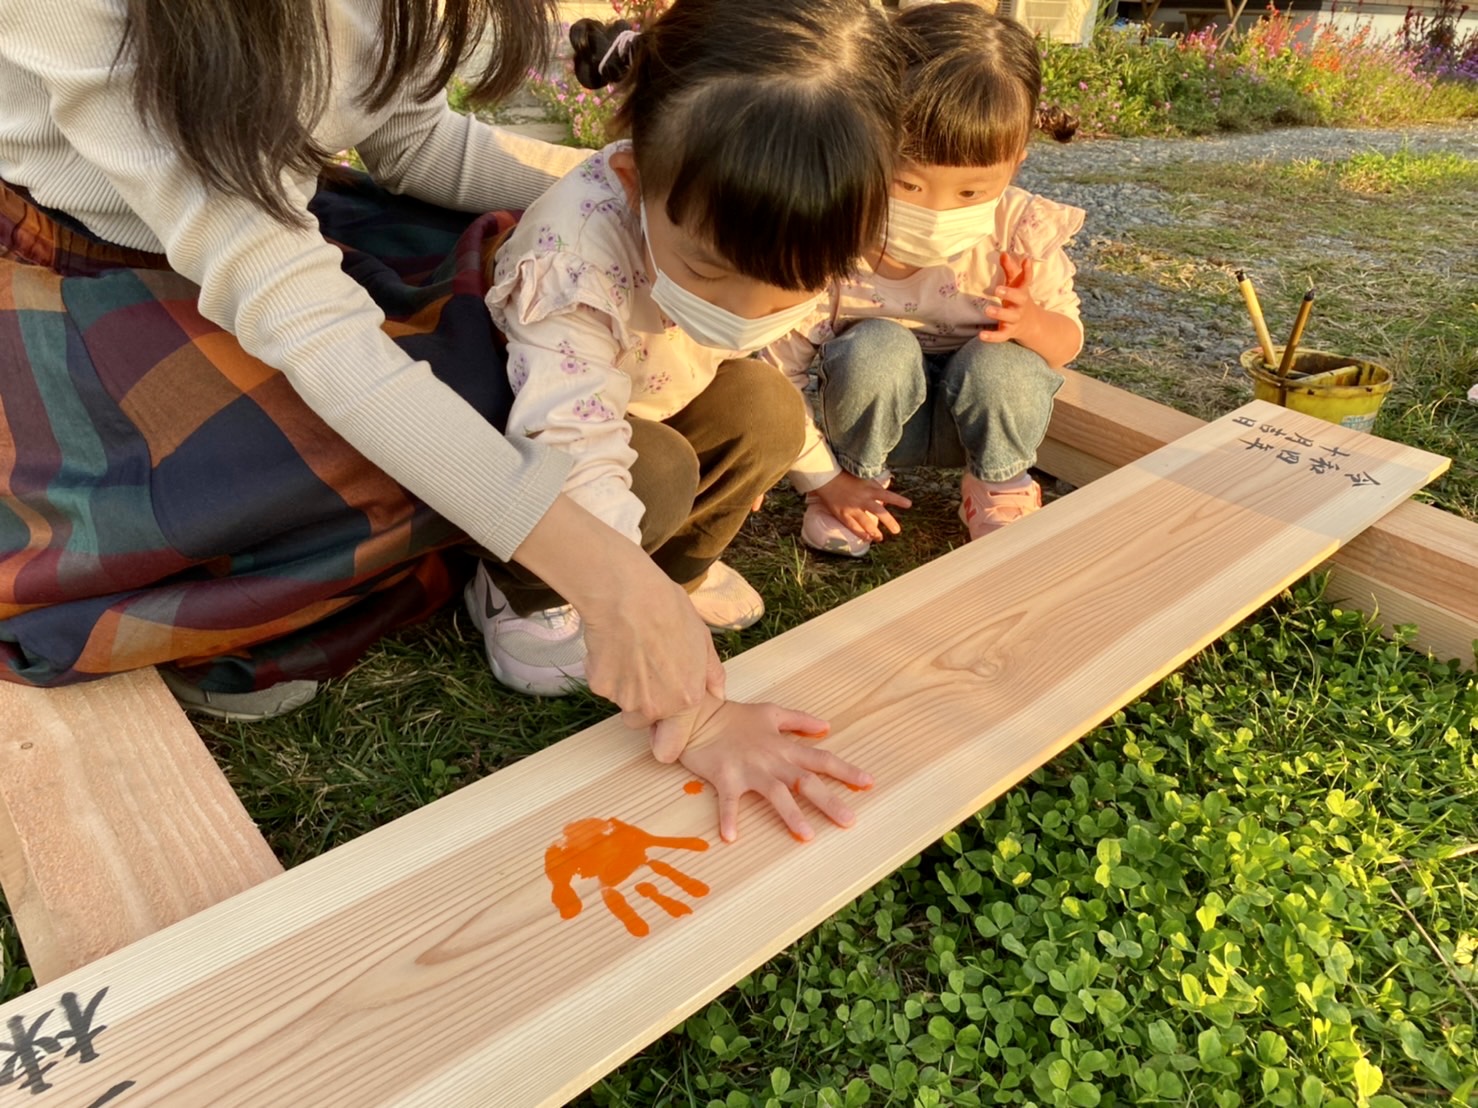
column 167, row 499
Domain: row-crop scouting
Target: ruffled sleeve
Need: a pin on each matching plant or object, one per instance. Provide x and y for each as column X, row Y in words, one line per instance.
column 1041, row 232
column 564, row 317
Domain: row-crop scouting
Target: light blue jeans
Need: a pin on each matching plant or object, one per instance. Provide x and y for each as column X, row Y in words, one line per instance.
column 884, row 404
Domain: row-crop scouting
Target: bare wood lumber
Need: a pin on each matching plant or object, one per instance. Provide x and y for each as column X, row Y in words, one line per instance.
column 114, row 819
column 1417, row 565
column 463, row 954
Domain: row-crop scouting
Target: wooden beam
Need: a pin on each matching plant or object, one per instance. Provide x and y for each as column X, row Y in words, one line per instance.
column 1418, row 565
column 114, row 819
column 512, row 942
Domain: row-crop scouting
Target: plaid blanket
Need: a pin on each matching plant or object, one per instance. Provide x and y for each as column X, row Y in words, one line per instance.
column 166, row 498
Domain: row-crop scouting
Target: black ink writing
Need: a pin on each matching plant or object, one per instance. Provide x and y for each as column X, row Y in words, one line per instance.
column 1257, row 444
column 26, row 1051
column 1360, row 479
column 1322, row 465
column 1289, row 456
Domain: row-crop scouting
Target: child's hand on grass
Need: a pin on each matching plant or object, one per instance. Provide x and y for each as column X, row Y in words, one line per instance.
column 744, row 748
column 862, row 506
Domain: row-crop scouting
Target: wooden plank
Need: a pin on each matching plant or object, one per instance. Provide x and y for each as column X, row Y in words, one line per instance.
column 426, row 962
column 1417, row 565
column 114, row 819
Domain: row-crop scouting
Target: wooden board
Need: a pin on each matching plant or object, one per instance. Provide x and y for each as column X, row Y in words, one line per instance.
column 114, row 819
column 1417, row 565
column 426, row 963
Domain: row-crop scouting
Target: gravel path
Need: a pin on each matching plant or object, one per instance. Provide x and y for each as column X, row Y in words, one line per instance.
column 1052, row 166
column 1134, row 320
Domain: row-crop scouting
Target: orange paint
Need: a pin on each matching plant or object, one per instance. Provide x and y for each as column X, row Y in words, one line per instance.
column 693, row 787
column 611, row 851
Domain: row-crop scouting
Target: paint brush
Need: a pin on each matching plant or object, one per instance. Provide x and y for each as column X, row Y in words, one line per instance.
column 1254, row 309
column 1298, row 333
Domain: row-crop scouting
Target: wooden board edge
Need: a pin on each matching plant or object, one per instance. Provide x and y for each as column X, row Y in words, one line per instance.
column 69, row 908
column 1419, row 561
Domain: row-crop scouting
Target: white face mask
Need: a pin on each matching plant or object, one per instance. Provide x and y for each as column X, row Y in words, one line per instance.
column 922, row 236
column 708, row 324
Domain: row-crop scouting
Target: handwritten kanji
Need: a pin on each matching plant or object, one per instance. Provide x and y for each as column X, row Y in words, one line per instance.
column 1245, row 421
column 1289, row 456
column 1270, row 429
column 1257, row 444
column 1322, row 465
column 1336, row 452
column 27, row 1049
column 611, row 851
column 1299, row 440
column 1360, row 479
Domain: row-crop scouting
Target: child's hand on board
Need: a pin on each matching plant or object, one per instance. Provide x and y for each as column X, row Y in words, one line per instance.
column 748, row 748
column 861, row 505
column 1017, row 314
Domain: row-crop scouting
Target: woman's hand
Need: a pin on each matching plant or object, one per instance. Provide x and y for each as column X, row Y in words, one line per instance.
column 743, row 748
column 646, row 647
column 862, row 506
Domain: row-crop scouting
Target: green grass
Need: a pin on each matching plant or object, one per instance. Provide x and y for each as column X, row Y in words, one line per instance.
column 1397, row 282
column 1258, row 884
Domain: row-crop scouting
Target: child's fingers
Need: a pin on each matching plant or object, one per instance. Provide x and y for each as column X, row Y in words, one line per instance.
column 885, row 518
column 781, row 799
column 863, row 524
column 814, row 759
column 1000, row 334
column 897, row 499
column 728, row 814
column 827, row 802
column 807, row 726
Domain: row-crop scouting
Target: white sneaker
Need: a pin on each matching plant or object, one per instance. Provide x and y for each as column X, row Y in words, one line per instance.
column 726, row 601
column 542, row 653
column 247, row 707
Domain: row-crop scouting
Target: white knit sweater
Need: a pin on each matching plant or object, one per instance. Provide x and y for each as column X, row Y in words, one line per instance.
column 69, row 134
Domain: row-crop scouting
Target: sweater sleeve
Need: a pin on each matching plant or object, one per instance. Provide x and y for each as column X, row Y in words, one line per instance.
column 281, row 291
column 426, row 150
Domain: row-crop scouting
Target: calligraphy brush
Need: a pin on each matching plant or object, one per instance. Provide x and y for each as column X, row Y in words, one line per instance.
column 1286, row 365
column 1254, row 309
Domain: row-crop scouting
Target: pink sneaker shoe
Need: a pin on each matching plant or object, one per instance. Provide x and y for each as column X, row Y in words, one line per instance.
column 987, row 506
column 542, row 653
column 820, row 530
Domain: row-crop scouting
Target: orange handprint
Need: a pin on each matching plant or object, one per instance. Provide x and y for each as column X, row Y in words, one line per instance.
column 611, row 851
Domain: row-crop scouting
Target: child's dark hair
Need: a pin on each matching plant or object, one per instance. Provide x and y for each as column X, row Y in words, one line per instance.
column 971, row 88
column 770, row 125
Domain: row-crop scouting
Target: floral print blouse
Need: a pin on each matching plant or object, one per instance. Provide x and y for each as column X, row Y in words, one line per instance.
column 587, row 345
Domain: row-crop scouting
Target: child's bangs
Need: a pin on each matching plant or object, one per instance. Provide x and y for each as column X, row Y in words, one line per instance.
column 965, row 118
column 790, row 191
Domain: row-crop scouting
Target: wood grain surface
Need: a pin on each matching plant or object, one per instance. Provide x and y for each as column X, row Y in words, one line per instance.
column 114, row 819
column 426, row 962
column 1417, row 565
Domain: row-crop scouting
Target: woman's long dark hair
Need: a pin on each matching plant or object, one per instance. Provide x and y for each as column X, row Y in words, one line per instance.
column 770, row 126
column 236, row 86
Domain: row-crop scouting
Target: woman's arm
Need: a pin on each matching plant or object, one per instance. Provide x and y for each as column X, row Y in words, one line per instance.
column 282, row 293
column 428, row 151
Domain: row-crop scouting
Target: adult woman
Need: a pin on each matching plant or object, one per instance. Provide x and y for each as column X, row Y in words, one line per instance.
column 206, row 436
